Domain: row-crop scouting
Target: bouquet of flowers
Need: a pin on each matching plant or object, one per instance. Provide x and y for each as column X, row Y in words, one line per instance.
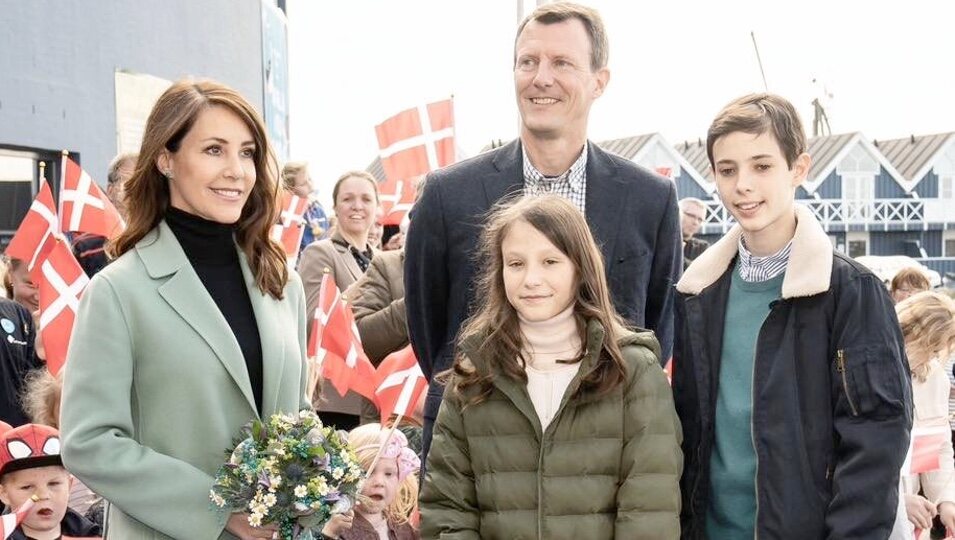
column 291, row 471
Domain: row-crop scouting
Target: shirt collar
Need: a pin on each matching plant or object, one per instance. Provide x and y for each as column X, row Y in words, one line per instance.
column 771, row 263
column 575, row 175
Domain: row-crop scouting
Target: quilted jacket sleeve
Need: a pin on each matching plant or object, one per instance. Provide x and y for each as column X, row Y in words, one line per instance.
column 381, row 318
column 449, row 499
column 648, row 502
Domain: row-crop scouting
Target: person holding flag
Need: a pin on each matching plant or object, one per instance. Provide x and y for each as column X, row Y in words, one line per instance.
column 296, row 179
column 195, row 328
column 928, row 325
column 347, row 254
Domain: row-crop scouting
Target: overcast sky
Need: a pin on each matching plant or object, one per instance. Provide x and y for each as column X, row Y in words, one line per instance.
column 891, row 72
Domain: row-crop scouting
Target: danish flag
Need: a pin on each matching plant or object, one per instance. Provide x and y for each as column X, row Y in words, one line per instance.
column 61, row 282
column 925, row 449
column 10, row 522
column 345, row 365
column 291, row 226
column 38, row 232
column 83, row 206
column 413, row 143
column 328, row 296
column 399, row 383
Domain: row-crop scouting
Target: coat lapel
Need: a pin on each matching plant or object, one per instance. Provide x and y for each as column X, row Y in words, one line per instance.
column 508, row 181
column 606, row 196
column 163, row 256
column 268, row 319
column 344, row 254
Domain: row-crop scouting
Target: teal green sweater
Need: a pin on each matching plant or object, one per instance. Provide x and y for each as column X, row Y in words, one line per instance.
column 732, row 508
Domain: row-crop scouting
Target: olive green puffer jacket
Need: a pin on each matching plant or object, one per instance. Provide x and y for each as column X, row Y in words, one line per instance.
column 606, row 467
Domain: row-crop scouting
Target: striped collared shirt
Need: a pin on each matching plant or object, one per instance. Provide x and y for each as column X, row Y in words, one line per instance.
column 753, row 268
column 572, row 185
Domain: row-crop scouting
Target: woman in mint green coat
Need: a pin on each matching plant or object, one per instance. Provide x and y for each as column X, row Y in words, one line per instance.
column 193, row 330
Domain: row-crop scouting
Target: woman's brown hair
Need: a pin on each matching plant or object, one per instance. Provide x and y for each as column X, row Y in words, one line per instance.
column 147, row 191
column 495, row 322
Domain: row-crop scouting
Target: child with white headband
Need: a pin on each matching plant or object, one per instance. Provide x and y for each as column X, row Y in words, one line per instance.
column 389, row 494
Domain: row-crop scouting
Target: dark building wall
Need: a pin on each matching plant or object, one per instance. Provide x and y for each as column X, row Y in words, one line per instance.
column 887, row 188
column 927, row 188
column 686, row 186
column 903, row 243
column 58, row 58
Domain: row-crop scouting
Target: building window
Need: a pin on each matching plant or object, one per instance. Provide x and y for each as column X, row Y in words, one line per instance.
column 948, row 244
column 857, row 244
column 17, row 172
column 858, row 171
column 946, row 187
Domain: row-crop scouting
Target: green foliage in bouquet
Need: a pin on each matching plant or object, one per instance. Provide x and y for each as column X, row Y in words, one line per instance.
column 291, row 471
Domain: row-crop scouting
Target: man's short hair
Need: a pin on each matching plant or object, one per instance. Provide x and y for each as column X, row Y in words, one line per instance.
column 691, row 201
column 563, row 11
column 112, row 174
column 756, row 114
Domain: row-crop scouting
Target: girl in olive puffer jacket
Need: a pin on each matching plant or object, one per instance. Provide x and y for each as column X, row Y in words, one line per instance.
column 557, row 421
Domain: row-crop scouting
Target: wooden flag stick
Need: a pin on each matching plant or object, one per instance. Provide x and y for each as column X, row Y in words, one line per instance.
column 384, row 443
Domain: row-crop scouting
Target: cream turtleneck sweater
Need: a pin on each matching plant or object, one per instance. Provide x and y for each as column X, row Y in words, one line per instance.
column 546, row 342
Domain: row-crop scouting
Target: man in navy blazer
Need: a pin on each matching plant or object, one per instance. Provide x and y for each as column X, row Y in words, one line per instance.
column 560, row 68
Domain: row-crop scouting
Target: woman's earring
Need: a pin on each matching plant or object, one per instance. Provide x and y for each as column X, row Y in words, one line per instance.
column 168, row 174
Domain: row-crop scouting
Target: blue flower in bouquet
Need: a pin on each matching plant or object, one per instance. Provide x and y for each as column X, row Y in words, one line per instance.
column 291, row 471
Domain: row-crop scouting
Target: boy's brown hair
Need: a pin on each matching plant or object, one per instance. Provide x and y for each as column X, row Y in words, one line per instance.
column 911, row 277
column 756, row 114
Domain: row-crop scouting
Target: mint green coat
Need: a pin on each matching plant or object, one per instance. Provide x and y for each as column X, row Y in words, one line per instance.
column 156, row 388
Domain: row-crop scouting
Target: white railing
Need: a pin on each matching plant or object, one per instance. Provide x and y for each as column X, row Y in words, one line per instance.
column 837, row 211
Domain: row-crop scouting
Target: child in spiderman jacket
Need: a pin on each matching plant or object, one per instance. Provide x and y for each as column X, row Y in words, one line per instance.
column 31, row 468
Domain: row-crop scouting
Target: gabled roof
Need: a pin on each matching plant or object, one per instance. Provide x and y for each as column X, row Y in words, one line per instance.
column 627, row 147
column 829, row 150
column 634, row 148
column 914, row 156
column 824, row 150
column 376, row 169
column 694, row 152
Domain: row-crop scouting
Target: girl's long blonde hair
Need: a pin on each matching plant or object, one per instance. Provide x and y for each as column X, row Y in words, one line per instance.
column 928, row 325
column 366, row 440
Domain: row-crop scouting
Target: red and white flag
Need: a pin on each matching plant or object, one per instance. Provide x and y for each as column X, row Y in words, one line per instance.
column 925, row 449
column 399, row 383
column 38, row 231
column 61, row 282
column 345, row 365
column 10, row 522
column 83, row 206
column 412, row 143
column 291, row 226
column 328, row 296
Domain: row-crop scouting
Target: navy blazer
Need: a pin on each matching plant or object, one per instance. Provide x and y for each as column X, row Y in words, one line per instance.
column 631, row 211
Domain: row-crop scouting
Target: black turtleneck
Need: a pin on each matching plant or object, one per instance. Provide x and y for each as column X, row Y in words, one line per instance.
column 211, row 250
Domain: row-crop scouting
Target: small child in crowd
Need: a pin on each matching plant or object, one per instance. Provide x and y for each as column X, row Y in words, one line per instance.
column 30, row 465
column 557, row 421
column 389, row 494
column 928, row 324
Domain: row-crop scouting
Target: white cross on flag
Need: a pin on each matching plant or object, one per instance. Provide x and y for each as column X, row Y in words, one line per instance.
column 83, row 206
column 62, row 281
column 399, row 384
column 10, row 522
column 37, row 232
column 412, row 143
column 345, row 366
column 291, row 226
